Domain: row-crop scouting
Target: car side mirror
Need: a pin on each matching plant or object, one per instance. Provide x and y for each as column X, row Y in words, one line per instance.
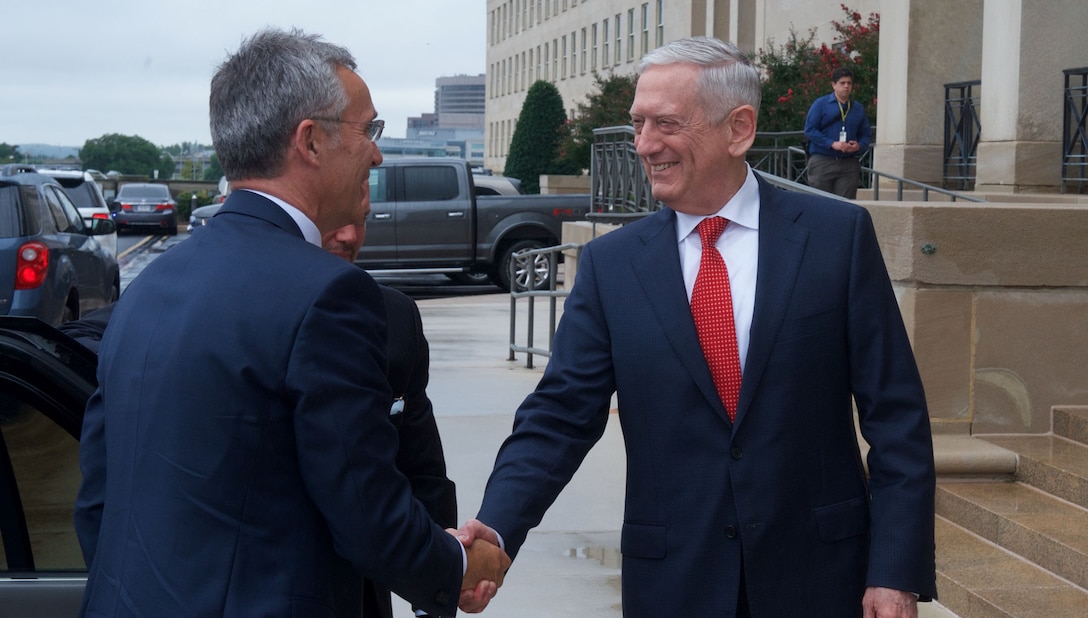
column 102, row 227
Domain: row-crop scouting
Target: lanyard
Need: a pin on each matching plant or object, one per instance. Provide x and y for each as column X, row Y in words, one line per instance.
column 844, row 113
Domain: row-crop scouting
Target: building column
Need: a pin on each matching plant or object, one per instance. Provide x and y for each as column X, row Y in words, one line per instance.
column 1026, row 47
column 924, row 44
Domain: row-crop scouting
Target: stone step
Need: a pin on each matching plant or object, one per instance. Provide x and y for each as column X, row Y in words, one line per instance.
column 1053, row 464
column 977, row 579
column 1049, row 532
column 1071, row 423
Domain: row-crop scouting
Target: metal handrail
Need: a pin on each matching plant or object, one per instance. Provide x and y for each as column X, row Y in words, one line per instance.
column 552, row 294
column 926, row 189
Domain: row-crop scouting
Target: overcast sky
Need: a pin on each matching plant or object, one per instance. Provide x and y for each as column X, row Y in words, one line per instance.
column 75, row 70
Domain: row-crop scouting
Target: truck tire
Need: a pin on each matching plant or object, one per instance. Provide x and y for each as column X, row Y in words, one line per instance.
column 538, row 266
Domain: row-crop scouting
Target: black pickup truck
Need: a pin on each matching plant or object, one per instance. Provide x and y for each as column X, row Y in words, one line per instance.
column 426, row 217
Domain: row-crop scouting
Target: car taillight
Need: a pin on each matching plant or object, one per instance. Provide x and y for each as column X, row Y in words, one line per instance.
column 100, row 215
column 165, row 206
column 31, row 266
column 126, row 206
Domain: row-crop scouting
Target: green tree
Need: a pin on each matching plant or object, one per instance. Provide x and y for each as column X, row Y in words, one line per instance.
column 9, row 153
column 608, row 106
column 535, row 145
column 132, row 155
column 214, row 171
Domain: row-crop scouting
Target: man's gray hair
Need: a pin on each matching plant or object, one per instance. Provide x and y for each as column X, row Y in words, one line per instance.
column 727, row 78
column 261, row 93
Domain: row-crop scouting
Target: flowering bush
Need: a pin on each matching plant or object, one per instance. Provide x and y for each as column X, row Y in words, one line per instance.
column 798, row 72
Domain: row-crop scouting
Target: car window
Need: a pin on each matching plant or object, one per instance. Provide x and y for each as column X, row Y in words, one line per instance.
column 379, row 185
column 11, row 222
column 83, row 195
column 64, row 213
column 430, row 183
column 146, row 191
column 43, row 461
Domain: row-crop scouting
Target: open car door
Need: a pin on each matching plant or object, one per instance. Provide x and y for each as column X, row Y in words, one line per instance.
column 45, row 381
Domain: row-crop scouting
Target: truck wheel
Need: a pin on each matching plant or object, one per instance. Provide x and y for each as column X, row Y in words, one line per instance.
column 537, row 266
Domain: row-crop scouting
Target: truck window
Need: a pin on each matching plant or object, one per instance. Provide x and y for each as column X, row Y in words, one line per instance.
column 430, row 183
column 379, row 185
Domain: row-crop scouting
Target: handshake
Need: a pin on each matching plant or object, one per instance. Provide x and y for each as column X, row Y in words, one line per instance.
column 487, row 565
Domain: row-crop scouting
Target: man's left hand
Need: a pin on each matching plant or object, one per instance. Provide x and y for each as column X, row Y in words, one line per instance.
column 889, row 603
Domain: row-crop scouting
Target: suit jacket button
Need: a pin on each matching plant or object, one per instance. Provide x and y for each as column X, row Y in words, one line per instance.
column 441, row 598
column 736, row 452
column 730, row 532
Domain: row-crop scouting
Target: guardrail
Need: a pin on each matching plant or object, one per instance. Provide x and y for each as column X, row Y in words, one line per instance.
column 552, row 294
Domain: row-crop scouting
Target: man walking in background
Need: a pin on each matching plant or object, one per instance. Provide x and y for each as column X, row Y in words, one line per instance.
column 837, row 130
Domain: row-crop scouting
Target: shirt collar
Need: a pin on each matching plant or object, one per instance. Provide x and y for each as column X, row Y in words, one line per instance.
column 742, row 209
column 308, row 227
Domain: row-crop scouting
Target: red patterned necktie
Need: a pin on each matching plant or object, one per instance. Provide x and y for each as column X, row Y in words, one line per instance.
column 712, row 308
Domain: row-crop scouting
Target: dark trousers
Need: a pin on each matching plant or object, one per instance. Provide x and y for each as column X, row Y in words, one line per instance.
column 838, row 176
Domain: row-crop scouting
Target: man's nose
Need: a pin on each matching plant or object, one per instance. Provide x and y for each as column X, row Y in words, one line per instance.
column 646, row 142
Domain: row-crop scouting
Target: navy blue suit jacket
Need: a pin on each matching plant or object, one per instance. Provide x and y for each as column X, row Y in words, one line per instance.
column 782, row 491
column 238, row 456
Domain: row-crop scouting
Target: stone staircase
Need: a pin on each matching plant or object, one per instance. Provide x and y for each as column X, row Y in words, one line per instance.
column 1012, row 522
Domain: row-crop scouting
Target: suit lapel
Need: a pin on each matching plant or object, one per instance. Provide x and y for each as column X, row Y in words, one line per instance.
column 657, row 268
column 781, row 245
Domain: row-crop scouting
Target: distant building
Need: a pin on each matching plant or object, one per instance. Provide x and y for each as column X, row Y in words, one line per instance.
column 568, row 42
column 454, row 129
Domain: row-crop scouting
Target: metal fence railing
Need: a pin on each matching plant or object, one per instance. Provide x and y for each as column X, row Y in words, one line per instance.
column 962, row 129
column 553, row 294
column 1074, row 133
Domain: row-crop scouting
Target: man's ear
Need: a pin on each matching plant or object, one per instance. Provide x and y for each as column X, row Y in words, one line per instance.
column 308, row 141
column 742, row 130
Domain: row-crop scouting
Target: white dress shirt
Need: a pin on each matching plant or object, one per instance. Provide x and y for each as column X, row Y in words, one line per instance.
column 308, row 227
column 739, row 246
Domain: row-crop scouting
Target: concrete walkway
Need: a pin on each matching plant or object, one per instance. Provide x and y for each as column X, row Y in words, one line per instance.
column 570, row 564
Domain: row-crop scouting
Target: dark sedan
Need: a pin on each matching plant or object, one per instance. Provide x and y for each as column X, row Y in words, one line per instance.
column 146, row 205
column 52, row 266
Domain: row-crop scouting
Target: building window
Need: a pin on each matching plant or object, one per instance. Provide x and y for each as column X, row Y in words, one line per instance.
column 555, row 58
column 645, row 29
column 660, row 23
column 583, row 51
column 526, row 74
column 547, row 63
column 630, row 35
column 593, row 63
column 539, row 62
column 564, row 75
column 605, row 57
column 619, row 39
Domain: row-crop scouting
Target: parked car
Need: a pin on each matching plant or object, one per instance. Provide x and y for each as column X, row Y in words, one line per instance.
column 146, row 205
column 52, row 266
column 87, row 195
column 44, row 387
column 200, row 216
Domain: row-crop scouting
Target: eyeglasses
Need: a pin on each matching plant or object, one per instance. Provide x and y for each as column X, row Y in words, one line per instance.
column 373, row 128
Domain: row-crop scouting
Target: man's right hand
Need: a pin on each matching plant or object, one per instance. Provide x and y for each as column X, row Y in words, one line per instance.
column 487, row 565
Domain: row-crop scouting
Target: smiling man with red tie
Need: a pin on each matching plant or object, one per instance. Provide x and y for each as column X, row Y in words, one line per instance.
column 749, row 502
